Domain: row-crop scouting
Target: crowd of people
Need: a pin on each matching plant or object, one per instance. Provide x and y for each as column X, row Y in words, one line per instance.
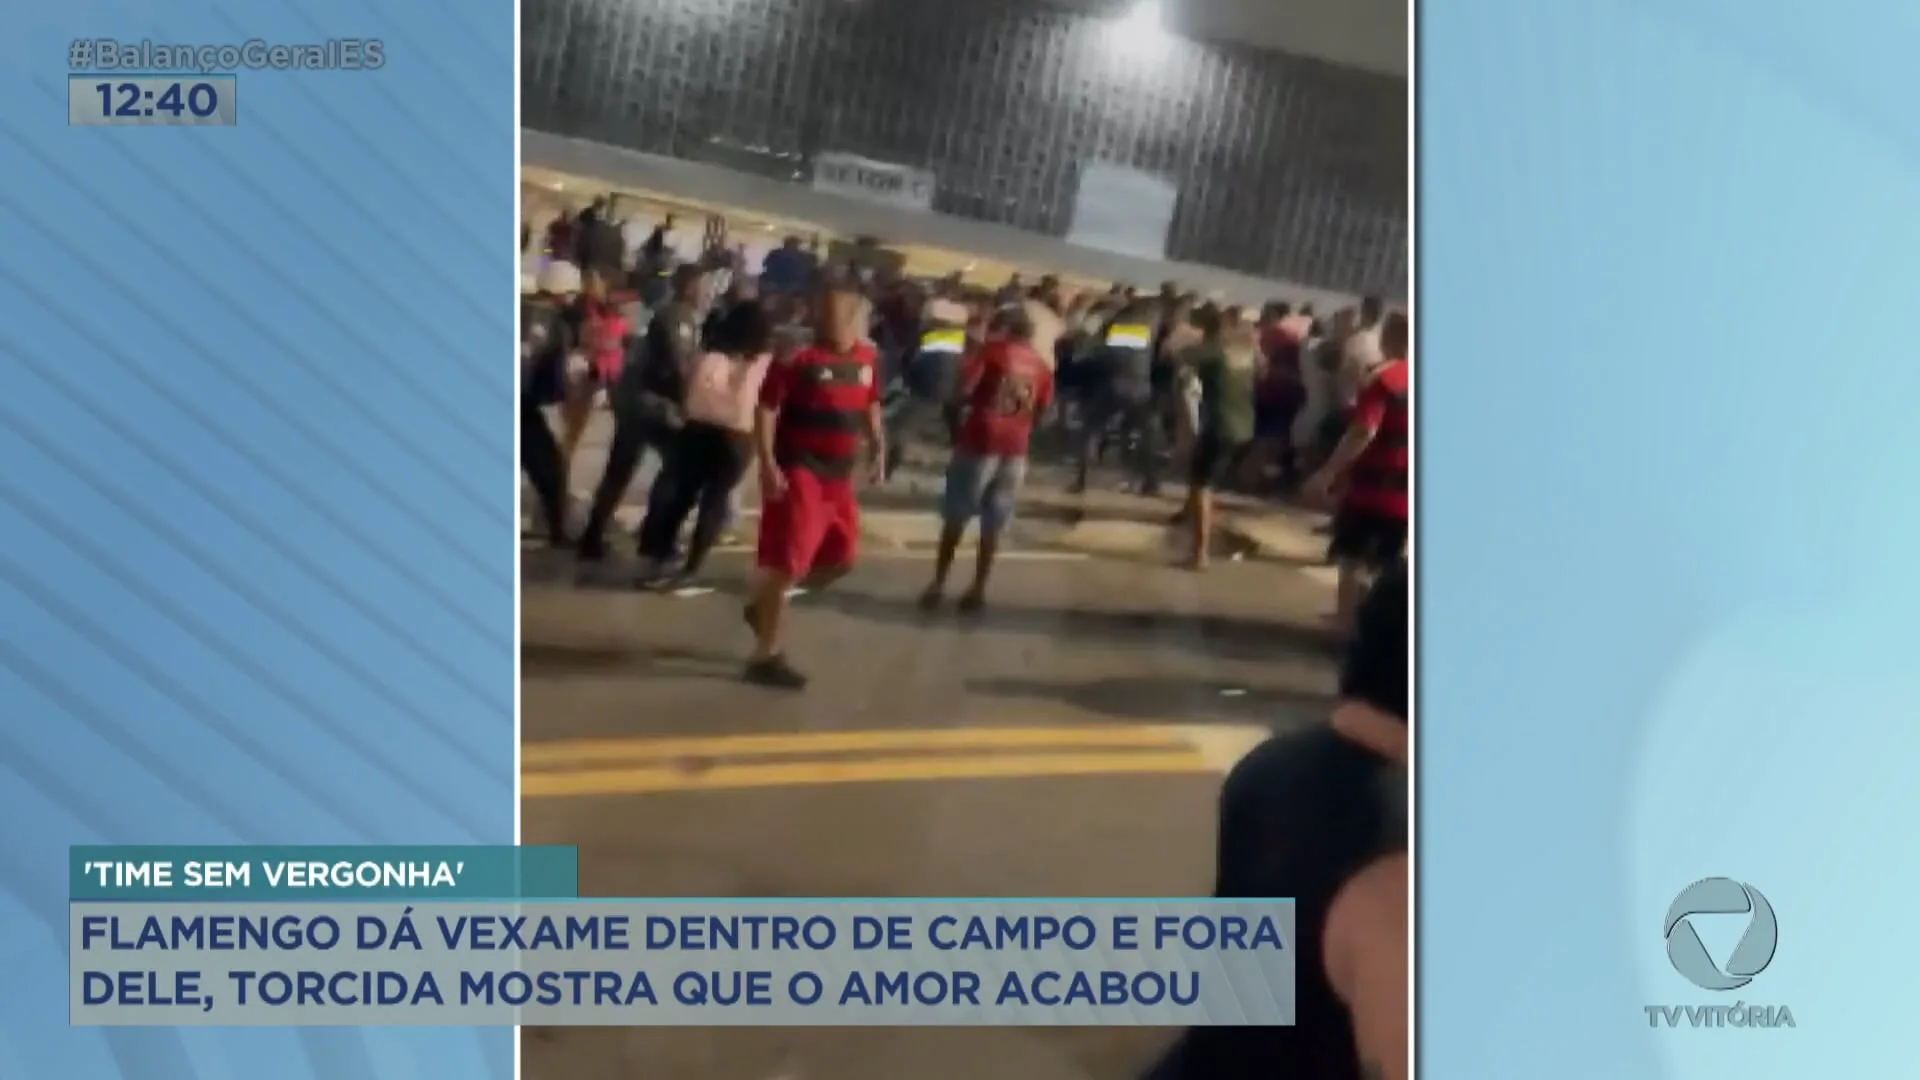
column 809, row 375
column 696, row 357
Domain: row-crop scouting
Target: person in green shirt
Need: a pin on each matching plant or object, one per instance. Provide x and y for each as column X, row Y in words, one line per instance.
column 1223, row 364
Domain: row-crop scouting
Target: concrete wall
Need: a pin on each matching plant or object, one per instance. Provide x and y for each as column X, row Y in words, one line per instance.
column 714, row 185
column 1287, row 166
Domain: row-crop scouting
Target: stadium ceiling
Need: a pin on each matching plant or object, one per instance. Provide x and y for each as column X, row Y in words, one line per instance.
column 1370, row 34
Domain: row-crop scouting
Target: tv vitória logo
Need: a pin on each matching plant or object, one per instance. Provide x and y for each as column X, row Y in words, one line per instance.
column 1721, row 896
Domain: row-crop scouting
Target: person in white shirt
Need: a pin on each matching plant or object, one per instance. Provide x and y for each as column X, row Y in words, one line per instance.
column 1043, row 311
column 1320, row 363
column 1360, row 357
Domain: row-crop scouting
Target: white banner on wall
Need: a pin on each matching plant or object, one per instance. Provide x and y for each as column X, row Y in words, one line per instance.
column 1122, row 210
column 874, row 181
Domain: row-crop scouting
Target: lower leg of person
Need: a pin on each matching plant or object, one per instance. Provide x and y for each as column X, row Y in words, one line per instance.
column 1202, row 508
column 661, row 531
column 709, row 521
column 540, row 460
column 623, row 459
column 575, row 414
column 766, row 611
column 1150, row 439
column 982, row 567
column 950, row 534
column 1092, row 440
column 686, row 468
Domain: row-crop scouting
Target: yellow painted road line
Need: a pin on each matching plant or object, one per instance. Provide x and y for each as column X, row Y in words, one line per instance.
column 658, row 779
column 594, row 753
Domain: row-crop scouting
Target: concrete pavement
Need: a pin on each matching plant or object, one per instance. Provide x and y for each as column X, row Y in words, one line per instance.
column 1066, row 742
column 1103, row 521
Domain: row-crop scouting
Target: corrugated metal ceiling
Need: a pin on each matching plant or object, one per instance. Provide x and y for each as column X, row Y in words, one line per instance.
column 1370, row 34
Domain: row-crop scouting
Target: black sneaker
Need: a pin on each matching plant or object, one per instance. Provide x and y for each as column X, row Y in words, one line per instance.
column 775, row 672
column 972, row 602
column 590, row 548
column 931, row 598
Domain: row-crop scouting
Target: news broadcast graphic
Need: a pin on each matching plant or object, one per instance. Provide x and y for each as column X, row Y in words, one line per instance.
column 258, row 520
column 497, row 936
column 1695, row 660
column 152, row 101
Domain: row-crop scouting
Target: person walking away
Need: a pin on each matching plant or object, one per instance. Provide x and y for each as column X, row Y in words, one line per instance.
column 1371, row 466
column 1003, row 389
column 710, row 454
column 546, row 342
column 1120, row 386
column 646, row 403
column 1223, row 365
column 814, row 407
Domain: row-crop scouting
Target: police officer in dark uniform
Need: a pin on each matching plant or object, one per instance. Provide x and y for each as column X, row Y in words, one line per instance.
column 930, row 370
column 545, row 342
column 646, row 400
column 1120, row 400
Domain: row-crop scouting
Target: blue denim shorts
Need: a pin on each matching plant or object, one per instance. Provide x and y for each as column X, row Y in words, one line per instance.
column 982, row 486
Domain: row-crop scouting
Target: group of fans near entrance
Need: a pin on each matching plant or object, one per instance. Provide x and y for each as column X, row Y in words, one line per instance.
column 811, row 380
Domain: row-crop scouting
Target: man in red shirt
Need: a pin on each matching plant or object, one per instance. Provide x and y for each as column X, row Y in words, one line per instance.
column 1004, row 385
column 815, row 407
column 1372, row 463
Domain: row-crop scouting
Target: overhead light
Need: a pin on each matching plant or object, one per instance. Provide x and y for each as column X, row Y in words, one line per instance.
column 1144, row 17
column 1141, row 33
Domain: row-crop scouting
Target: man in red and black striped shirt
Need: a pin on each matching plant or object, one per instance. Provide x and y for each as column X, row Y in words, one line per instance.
column 817, row 406
column 1372, row 463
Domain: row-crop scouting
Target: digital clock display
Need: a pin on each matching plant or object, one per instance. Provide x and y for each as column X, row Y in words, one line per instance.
column 151, row 100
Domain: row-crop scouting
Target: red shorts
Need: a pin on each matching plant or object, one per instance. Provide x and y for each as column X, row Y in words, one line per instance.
column 815, row 526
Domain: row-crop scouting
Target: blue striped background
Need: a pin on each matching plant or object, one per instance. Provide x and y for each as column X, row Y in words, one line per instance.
column 257, row 527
